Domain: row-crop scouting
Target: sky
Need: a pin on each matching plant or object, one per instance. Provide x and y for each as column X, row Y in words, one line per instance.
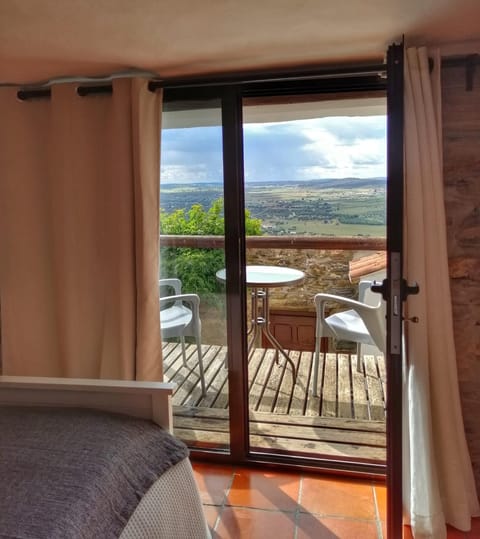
column 329, row 147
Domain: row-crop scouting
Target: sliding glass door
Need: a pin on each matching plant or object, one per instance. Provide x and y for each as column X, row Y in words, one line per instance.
column 194, row 331
column 315, row 194
column 271, row 193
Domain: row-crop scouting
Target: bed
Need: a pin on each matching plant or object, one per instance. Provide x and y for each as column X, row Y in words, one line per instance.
column 93, row 458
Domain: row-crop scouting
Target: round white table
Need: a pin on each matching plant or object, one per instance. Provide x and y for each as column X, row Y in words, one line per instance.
column 260, row 279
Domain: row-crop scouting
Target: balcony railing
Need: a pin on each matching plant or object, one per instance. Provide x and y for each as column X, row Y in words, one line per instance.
column 346, row 419
column 353, row 243
column 350, row 258
column 331, row 264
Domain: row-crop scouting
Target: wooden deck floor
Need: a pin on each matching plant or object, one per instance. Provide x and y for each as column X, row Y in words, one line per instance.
column 346, row 420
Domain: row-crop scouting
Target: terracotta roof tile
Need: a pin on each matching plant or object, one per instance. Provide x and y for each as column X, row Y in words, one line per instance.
column 365, row 265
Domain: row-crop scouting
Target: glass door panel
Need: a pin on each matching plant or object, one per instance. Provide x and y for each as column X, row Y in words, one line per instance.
column 193, row 324
column 315, row 188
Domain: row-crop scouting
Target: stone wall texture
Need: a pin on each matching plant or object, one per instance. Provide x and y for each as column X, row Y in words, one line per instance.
column 461, row 140
column 325, row 271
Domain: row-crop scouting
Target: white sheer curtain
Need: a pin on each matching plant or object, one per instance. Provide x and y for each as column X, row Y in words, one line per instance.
column 439, row 486
column 79, row 197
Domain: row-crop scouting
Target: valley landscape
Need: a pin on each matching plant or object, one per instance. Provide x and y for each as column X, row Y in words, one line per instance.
column 326, row 207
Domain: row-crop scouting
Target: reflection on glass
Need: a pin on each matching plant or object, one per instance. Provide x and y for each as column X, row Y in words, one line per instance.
column 193, row 322
column 315, row 170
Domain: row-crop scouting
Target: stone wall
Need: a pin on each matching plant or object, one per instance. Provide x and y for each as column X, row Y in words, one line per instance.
column 325, row 271
column 461, row 139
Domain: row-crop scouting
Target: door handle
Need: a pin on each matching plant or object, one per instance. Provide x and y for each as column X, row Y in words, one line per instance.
column 380, row 288
column 405, row 289
column 409, row 289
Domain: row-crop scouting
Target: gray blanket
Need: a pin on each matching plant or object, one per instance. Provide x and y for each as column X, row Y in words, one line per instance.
column 70, row 473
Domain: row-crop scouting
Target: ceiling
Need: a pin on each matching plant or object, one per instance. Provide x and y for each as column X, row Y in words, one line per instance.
column 40, row 40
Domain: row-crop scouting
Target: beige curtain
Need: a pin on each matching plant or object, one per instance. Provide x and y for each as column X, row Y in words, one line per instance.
column 79, row 191
column 438, row 481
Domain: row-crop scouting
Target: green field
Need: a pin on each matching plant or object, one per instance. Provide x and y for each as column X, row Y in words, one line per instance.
column 316, row 228
column 350, row 207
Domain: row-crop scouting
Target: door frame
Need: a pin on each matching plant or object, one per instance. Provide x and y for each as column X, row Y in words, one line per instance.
column 393, row 288
column 231, row 89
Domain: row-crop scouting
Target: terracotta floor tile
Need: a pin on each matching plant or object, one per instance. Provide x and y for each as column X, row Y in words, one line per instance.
column 474, row 533
column 243, row 523
column 337, row 497
column 212, row 512
column 213, row 482
column 264, row 489
column 453, row 533
column 311, row 526
column 381, row 498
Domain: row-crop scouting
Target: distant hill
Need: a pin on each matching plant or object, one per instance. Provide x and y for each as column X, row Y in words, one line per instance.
column 329, row 206
column 326, row 183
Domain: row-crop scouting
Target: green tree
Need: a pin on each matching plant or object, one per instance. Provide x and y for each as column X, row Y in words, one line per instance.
column 196, row 267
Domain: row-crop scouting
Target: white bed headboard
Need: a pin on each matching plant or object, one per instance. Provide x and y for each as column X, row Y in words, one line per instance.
column 147, row 400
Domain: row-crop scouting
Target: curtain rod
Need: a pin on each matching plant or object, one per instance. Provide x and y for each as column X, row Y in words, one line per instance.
column 357, row 70
column 45, row 93
column 455, row 61
column 273, row 75
column 469, row 61
column 251, row 77
column 100, row 79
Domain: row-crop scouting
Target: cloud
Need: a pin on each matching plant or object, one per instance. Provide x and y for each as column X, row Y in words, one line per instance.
column 349, row 130
column 191, row 155
column 277, row 152
column 332, row 147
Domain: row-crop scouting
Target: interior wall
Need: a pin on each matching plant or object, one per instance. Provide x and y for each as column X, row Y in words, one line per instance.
column 461, row 139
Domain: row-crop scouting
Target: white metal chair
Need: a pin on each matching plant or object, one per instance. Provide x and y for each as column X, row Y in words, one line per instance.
column 180, row 317
column 363, row 323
